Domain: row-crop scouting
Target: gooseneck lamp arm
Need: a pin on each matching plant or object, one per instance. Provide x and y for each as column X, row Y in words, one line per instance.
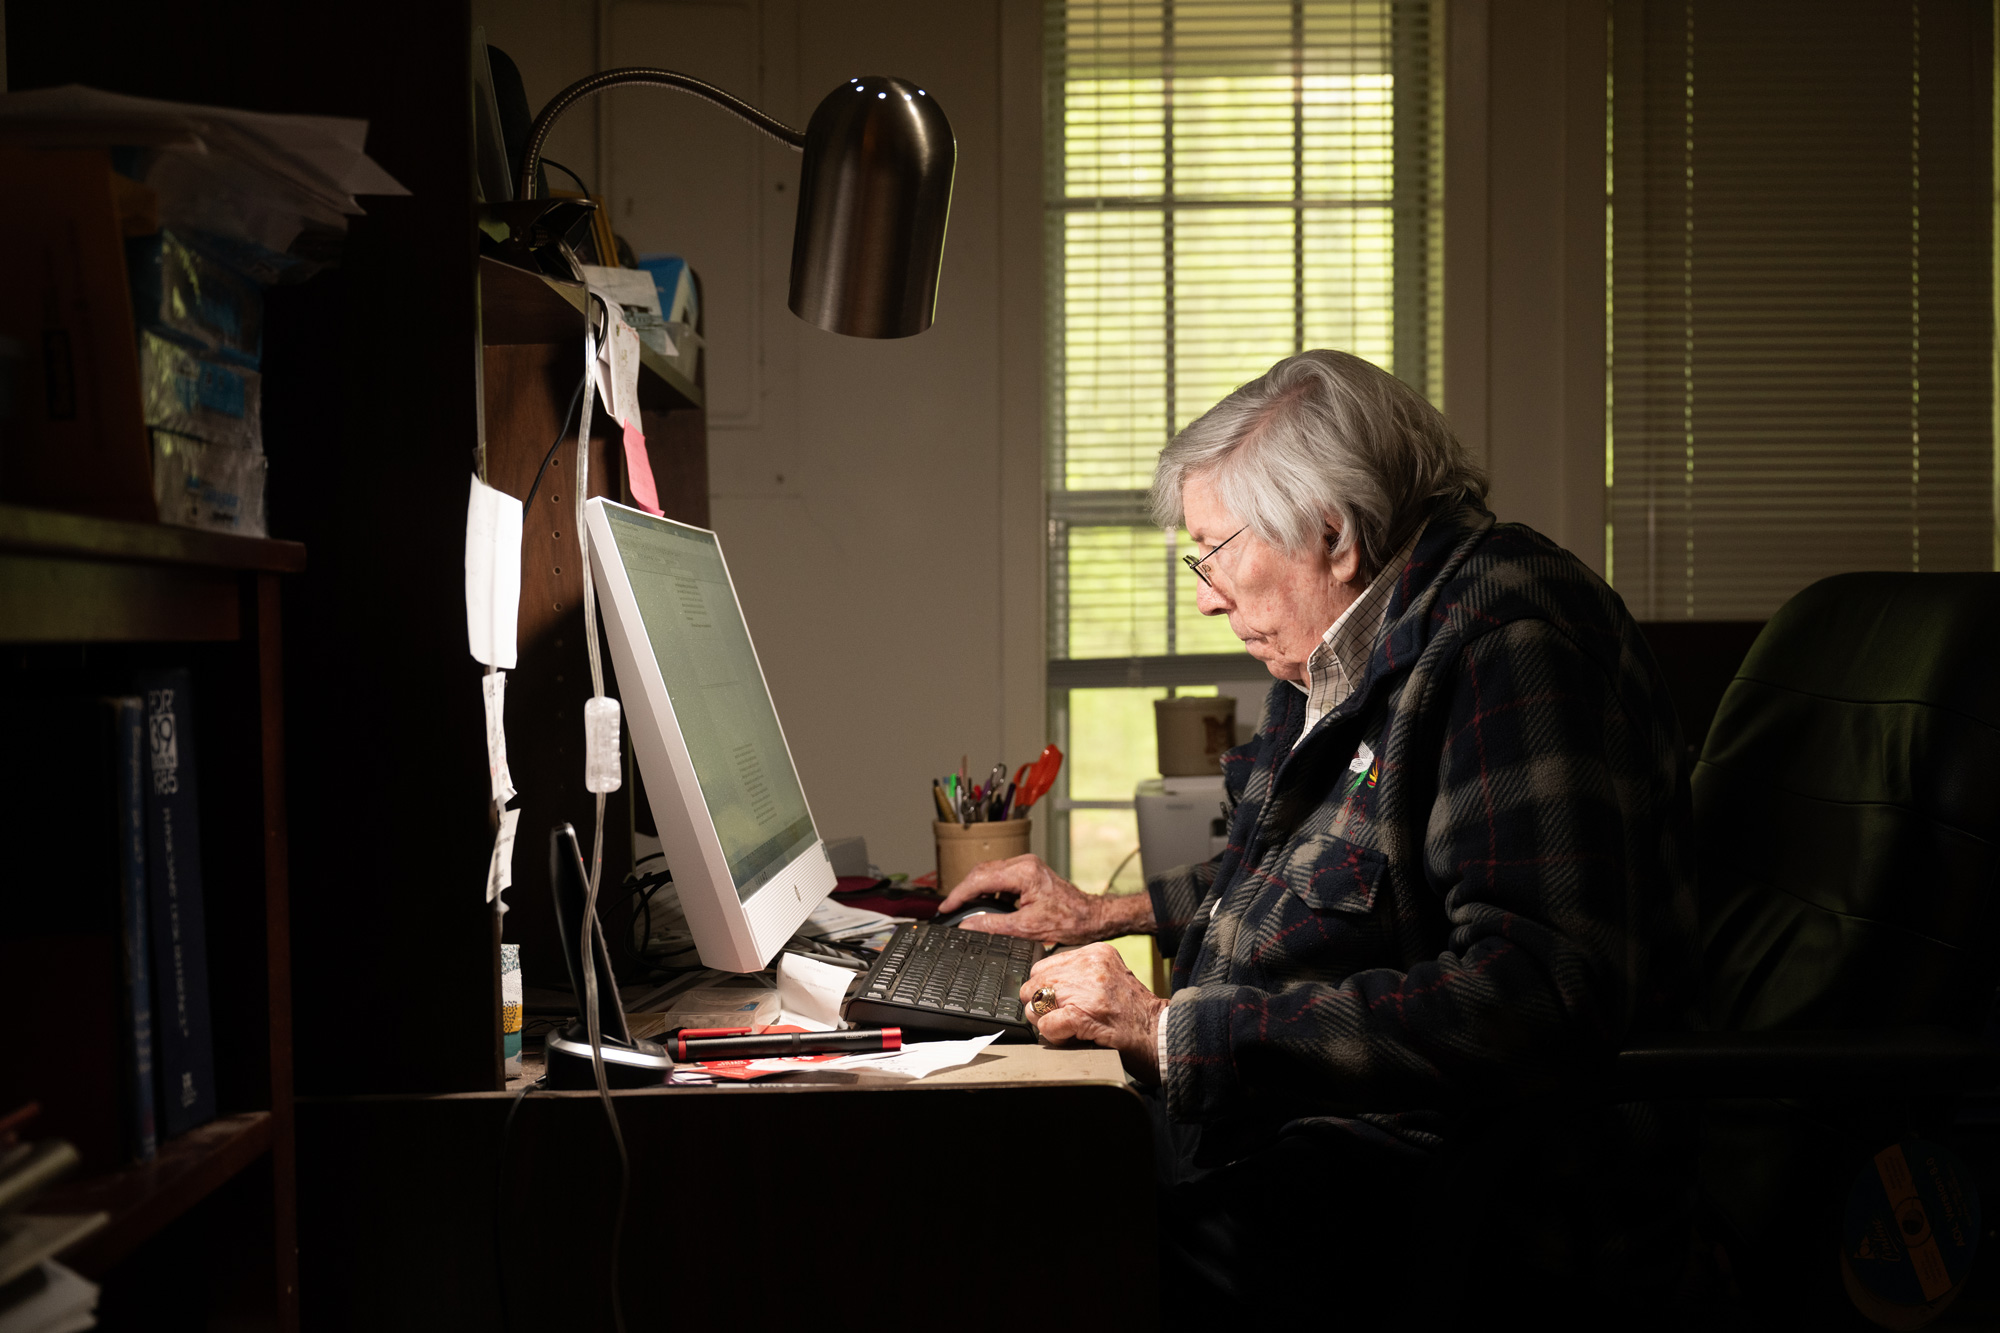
column 538, row 133
column 874, row 194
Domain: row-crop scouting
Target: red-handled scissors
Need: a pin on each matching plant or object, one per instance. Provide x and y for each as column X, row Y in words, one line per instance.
column 1041, row 777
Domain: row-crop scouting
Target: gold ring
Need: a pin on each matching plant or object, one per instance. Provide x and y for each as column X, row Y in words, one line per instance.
column 1043, row 1000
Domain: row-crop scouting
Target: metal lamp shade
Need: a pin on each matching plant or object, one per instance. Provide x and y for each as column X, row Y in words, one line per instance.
column 873, row 196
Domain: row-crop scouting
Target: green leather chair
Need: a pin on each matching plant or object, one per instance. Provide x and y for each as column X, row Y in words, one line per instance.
column 1847, row 821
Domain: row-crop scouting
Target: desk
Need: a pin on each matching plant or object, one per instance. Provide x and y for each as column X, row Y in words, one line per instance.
column 764, row 1189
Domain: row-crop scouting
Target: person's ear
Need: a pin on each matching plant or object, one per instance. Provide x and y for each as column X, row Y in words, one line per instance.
column 1346, row 564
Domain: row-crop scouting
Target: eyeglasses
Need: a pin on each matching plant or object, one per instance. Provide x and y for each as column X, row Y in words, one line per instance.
column 1196, row 565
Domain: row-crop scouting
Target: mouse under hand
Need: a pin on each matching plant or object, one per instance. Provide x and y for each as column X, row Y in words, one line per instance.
column 977, row 907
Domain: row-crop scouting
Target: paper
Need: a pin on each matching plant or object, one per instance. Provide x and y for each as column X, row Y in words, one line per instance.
column 918, row 1061
column 246, row 175
column 629, row 287
column 318, row 155
column 639, row 470
column 494, row 687
column 500, row 874
column 723, row 1007
column 835, row 921
column 492, row 574
column 810, row 992
column 66, row 1303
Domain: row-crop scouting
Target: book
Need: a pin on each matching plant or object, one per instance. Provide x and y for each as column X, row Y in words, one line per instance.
column 74, row 911
column 185, row 1053
column 135, row 1000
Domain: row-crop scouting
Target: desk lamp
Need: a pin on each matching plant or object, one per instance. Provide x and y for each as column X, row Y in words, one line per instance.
column 873, row 195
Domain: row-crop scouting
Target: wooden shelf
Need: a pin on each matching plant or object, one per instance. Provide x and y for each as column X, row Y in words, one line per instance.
column 517, row 307
column 72, row 578
column 143, row 1199
column 80, row 536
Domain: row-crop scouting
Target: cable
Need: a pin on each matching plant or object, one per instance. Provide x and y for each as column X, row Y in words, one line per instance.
column 562, row 430
column 1121, row 867
column 593, row 931
column 551, row 162
column 500, row 1202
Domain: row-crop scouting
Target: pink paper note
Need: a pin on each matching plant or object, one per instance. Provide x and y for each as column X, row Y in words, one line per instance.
column 639, row 470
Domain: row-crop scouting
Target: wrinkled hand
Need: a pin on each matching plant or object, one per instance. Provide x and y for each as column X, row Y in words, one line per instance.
column 1098, row 1000
column 1047, row 907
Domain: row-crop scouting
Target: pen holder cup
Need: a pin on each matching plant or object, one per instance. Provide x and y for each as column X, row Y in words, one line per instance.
column 963, row 846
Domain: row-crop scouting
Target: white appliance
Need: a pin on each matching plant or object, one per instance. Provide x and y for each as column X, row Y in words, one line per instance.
column 1180, row 822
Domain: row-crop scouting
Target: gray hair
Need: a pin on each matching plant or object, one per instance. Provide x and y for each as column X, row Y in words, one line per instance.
column 1321, row 434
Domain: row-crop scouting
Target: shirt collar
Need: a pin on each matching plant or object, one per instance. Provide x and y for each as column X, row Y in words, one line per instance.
column 1342, row 655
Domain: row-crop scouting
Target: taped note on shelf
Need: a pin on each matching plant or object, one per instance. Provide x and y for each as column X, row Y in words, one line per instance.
column 492, row 574
column 616, row 374
column 500, row 873
column 494, row 687
column 639, row 470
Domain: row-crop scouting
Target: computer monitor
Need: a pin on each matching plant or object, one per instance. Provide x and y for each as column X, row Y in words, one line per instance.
column 733, row 821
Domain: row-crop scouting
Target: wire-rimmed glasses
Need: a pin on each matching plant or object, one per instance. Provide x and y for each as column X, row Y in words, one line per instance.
column 1195, row 564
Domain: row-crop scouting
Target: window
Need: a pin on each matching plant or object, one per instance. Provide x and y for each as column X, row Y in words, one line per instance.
column 1801, row 287
column 1230, row 181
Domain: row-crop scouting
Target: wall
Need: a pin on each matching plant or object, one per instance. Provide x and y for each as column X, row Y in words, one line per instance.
column 1524, row 258
column 880, row 502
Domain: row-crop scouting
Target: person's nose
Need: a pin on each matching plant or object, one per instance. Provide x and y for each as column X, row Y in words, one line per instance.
column 1208, row 599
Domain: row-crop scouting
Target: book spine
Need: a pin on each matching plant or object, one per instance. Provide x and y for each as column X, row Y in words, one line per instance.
column 180, row 953
column 135, row 998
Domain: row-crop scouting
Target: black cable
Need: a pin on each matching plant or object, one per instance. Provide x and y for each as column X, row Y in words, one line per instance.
column 562, row 429
column 500, row 1204
column 551, row 162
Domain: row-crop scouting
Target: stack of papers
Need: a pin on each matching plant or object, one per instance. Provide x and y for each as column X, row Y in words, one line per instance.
column 248, row 175
column 53, row 1300
column 839, row 924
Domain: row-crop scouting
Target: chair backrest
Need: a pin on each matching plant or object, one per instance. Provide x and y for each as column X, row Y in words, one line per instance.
column 1847, row 810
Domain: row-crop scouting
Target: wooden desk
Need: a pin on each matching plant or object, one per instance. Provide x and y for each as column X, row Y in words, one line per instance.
column 750, row 1203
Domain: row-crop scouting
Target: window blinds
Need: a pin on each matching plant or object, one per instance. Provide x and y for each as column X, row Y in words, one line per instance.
column 1230, row 181
column 1801, row 297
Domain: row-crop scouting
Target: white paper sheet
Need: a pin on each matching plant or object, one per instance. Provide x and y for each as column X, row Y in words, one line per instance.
column 810, row 992
column 66, row 1304
column 494, row 687
column 834, row 921
column 918, row 1061
column 632, row 287
column 492, row 574
column 500, row 874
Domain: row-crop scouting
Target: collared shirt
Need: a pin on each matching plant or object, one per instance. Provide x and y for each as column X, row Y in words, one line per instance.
column 1334, row 670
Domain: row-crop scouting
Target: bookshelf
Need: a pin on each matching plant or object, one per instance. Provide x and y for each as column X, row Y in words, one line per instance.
column 83, row 596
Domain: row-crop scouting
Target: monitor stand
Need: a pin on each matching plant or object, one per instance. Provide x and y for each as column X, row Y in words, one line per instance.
column 629, row 1062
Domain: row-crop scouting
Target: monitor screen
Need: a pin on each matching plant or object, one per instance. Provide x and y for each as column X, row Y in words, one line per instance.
column 720, row 702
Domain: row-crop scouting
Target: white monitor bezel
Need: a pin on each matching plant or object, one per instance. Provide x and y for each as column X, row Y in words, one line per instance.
column 732, row 934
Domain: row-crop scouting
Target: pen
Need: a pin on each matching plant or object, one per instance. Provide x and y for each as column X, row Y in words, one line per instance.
column 765, row 1045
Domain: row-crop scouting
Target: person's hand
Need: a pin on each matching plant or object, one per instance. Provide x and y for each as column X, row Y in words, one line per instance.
column 1047, row 906
column 1098, row 1000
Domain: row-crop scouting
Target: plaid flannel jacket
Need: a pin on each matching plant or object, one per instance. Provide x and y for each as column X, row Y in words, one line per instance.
column 1471, row 878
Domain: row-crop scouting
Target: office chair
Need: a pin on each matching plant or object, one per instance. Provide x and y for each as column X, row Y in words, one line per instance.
column 1847, row 825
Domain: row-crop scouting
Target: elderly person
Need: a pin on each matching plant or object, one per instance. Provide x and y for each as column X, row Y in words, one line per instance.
column 1456, row 872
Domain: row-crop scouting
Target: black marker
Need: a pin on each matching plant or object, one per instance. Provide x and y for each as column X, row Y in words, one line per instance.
column 769, row 1045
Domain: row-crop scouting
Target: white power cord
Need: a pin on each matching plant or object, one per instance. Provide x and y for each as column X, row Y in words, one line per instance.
column 596, row 779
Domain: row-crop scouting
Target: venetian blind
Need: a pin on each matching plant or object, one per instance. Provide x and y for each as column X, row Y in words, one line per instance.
column 1230, row 181
column 1801, row 297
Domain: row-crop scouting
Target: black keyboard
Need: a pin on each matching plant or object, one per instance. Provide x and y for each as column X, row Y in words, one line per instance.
column 946, row 980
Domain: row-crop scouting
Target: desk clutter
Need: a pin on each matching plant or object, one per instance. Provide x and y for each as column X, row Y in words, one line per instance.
column 38, row 1294
column 131, row 376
